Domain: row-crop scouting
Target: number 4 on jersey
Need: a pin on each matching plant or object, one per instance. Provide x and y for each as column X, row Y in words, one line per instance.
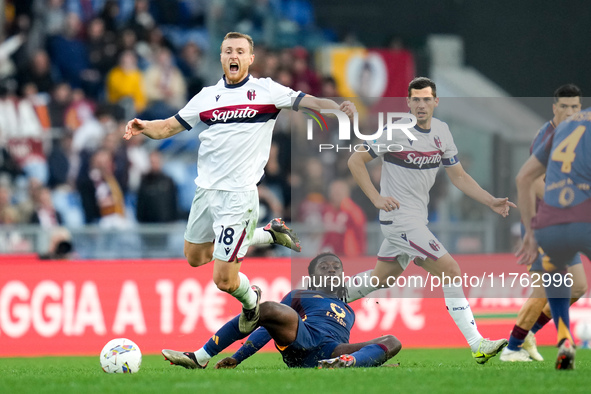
column 565, row 151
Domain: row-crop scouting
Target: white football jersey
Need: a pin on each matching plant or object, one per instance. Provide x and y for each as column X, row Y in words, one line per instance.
column 235, row 125
column 409, row 175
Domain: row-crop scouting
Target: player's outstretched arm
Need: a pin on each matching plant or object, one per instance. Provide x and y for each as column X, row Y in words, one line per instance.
column 321, row 103
column 357, row 166
column 460, row 179
column 531, row 170
column 155, row 129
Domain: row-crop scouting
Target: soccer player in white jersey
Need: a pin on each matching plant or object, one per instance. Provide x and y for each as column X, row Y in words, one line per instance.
column 406, row 179
column 235, row 120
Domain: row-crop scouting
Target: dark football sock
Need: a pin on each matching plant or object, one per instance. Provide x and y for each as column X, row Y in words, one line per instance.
column 370, row 356
column 517, row 337
column 542, row 320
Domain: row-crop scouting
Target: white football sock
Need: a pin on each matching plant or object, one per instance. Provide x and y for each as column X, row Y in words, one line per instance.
column 244, row 293
column 459, row 309
column 356, row 292
column 202, row 357
column 261, row 237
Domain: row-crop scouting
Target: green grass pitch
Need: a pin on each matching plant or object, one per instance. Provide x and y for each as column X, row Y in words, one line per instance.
column 420, row 371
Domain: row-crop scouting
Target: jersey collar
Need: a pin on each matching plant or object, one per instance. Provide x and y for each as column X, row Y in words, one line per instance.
column 421, row 130
column 237, row 85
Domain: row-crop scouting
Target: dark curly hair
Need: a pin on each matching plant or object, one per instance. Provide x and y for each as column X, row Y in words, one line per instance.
column 341, row 291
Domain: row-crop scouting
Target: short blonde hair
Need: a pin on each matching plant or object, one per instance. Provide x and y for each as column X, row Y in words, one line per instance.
column 234, row 34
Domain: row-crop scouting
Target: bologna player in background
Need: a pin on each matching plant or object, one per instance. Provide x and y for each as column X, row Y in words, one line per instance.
column 407, row 177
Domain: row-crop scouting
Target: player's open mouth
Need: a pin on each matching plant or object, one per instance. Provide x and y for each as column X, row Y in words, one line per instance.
column 234, row 67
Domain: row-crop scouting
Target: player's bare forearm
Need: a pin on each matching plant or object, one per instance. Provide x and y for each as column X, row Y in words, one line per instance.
column 160, row 129
column 472, row 189
column 463, row 181
column 526, row 192
column 357, row 166
column 526, row 198
column 529, row 173
column 317, row 104
column 154, row 129
column 539, row 187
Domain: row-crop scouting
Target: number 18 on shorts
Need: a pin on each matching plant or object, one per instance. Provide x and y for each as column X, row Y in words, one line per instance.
column 226, row 218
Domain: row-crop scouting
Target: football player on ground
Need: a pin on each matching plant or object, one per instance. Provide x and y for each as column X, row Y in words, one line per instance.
column 535, row 313
column 310, row 328
column 562, row 222
column 407, row 177
column 235, row 119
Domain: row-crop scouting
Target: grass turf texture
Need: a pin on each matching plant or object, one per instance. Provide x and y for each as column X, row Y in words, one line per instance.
column 420, row 371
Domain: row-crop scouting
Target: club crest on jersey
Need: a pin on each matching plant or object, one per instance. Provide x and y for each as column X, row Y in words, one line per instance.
column 437, row 141
column 251, row 94
column 434, row 245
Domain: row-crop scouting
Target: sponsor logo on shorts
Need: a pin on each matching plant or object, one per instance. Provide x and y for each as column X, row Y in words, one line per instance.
column 403, row 236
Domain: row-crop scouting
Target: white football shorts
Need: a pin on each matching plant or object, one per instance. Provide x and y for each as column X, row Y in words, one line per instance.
column 406, row 245
column 228, row 219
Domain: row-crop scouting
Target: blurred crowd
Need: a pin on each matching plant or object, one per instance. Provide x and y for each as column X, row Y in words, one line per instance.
column 73, row 72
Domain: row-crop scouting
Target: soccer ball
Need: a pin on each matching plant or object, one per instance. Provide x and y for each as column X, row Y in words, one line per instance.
column 121, row 356
column 583, row 332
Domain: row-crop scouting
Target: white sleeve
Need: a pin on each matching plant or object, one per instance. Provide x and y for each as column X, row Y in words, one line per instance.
column 284, row 97
column 378, row 147
column 188, row 116
column 450, row 154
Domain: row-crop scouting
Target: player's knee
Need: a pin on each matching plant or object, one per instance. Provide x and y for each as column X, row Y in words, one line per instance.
column 224, row 284
column 448, row 275
column 392, row 344
column 196, row 258
column 268, row 309
column 196, row 262
column 579, row 289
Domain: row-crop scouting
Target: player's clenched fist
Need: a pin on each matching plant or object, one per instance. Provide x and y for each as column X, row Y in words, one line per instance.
column 134, row 127
column 348, row 108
